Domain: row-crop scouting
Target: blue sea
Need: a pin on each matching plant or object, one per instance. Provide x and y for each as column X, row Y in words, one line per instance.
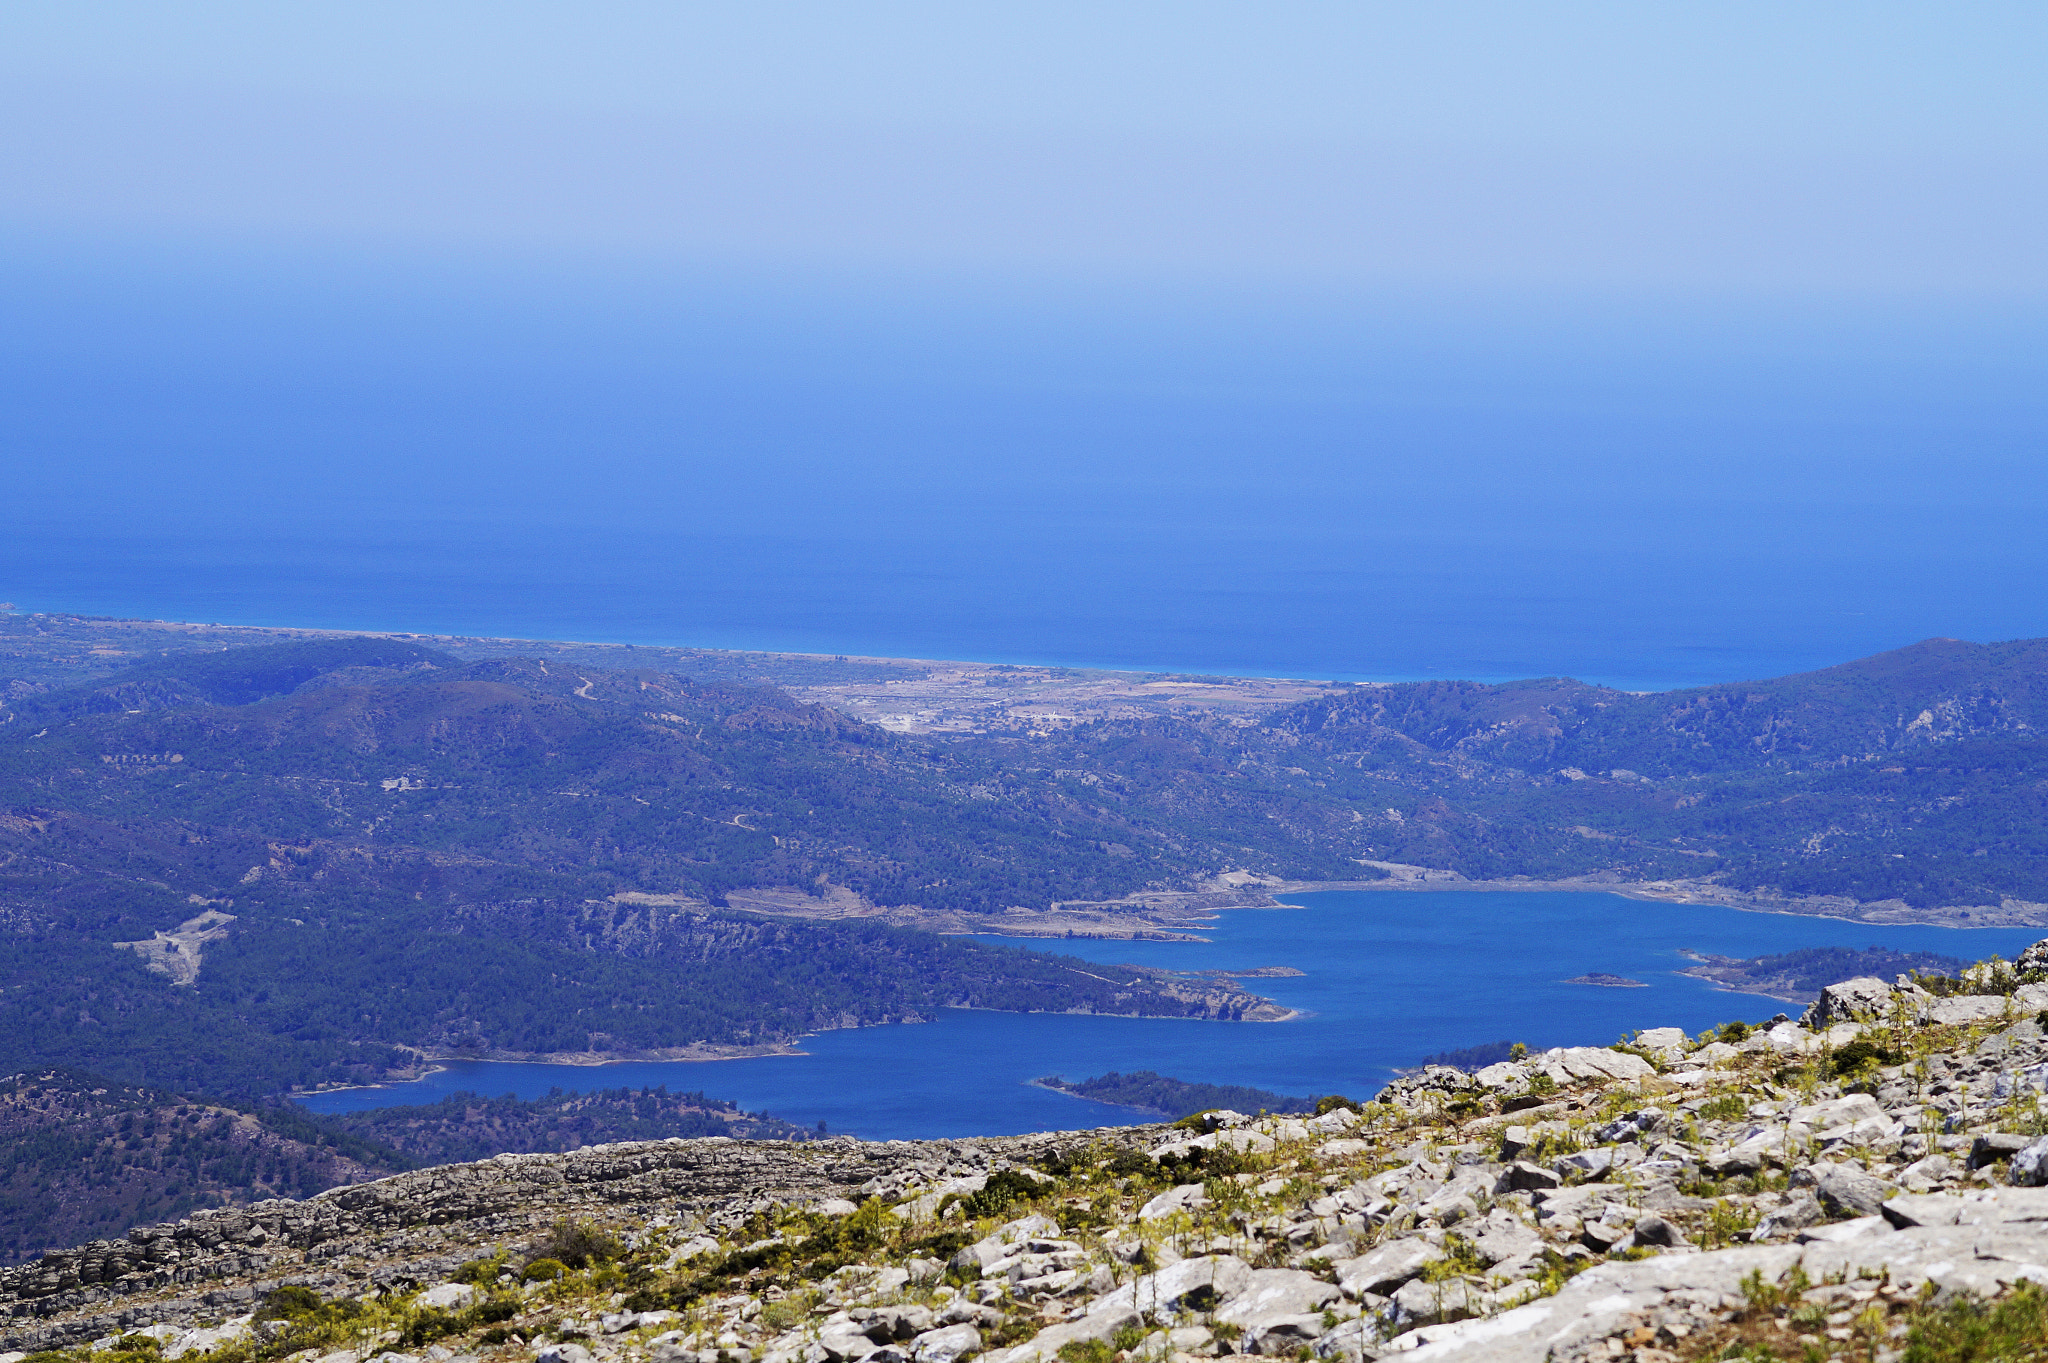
column 1650, row 492
column 1388, row 978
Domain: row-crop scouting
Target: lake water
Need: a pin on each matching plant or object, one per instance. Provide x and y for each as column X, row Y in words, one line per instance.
column 1388, row 977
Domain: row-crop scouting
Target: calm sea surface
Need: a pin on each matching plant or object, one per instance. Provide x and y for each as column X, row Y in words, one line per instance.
column 1388, row 978
column 1652, row 494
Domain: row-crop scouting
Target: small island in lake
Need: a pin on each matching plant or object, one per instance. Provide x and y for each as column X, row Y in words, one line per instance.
column 1606, row 981
column 1175, row 1098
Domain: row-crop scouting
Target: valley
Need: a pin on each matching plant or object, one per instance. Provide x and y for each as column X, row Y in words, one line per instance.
column 246, row 863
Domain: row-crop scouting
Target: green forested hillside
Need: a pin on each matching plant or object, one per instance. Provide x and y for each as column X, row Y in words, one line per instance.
column 293, row 1003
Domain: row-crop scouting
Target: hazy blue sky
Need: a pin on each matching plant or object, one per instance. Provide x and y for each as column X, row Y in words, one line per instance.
column 1816, row 147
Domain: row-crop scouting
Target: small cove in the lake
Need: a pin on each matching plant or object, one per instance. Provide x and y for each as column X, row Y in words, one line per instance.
column 1388, row 977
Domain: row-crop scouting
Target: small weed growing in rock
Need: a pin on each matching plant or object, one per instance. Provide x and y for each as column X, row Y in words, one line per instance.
column 1725, row 1225
column 1460, row 1259
column 2015, row 1328
column 1558, row 1270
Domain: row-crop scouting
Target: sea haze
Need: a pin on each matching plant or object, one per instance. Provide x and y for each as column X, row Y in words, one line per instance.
column 1648, row 493
column 1388, row 978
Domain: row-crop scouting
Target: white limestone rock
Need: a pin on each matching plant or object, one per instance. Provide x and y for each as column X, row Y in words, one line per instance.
column 447, row 1297
column 1184, row 1198
column 1385, row 1267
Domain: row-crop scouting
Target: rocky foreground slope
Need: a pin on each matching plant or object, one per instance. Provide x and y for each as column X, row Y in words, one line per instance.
column 1859, row 1184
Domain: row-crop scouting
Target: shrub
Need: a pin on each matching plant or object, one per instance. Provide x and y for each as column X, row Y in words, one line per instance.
column 1125, row 1163
column 545, row 1270
column 1003, row 1188
column 430, row 1325
column 1732, row 1032
column 1199, row 1165
column 1859, row 1055
column 578, row 1244
column 287, row 1303
column 1332, row 1101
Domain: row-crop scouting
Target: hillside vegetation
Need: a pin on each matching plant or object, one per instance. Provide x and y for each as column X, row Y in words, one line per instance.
column 1919, row 775
column 419, row 856
column 86, row 1158
column 414, row 854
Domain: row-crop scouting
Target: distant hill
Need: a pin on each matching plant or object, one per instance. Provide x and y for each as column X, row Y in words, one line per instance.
column 1935, row 692
column 87, row 1158
column 1919, row 776
column 466, row 1126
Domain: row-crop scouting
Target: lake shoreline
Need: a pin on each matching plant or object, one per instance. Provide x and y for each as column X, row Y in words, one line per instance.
column 1377, row 996
column 1180, row 909
column 1876, row 913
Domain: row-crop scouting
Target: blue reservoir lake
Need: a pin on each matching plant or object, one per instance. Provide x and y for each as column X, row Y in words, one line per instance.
column 1388, row 977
